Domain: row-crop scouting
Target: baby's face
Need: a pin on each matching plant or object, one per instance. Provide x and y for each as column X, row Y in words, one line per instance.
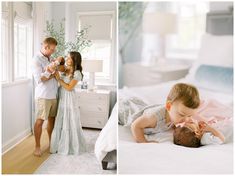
column 179, row 113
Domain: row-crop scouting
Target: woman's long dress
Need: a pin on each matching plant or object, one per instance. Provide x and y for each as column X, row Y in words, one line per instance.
column 67, row 136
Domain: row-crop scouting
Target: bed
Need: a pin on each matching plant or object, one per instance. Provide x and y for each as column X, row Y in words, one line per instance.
column 106, row 144
column 212, row 73
column 165, row 157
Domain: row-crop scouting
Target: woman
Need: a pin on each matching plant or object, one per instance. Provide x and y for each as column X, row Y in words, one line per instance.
column 67, row 136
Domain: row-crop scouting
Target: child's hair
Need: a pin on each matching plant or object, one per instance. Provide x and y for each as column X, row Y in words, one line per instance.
column 77, row 61
column 50, row 41
column 185, row 137
column 186, row 93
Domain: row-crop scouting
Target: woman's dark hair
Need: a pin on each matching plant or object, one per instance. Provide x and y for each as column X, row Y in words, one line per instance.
column 77, row 61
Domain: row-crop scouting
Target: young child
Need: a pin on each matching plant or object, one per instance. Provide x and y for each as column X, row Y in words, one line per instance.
column 182, row 102
column 215, row 128
column 67, row 136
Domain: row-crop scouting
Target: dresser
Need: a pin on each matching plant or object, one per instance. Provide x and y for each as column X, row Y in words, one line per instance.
column 94, row 107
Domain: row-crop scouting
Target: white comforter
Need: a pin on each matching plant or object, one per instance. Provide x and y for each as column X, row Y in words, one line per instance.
column 107, row 140
column 165, row 157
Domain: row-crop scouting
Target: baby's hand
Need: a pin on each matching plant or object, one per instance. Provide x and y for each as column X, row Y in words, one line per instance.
column 204, row 126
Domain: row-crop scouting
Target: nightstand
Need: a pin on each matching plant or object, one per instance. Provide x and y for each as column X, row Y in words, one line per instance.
column 137, row 74
column 94, row 107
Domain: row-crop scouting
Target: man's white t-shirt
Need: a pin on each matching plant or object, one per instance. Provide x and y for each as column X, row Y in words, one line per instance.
column 47, row 89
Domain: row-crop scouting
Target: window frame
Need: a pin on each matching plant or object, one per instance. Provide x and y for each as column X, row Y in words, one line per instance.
column 10, row 48
column 29, row 47
column 180, row 53
column 112, row 75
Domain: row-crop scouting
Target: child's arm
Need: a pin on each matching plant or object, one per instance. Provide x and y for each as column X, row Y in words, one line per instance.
column 137, row 127
column 208, row 128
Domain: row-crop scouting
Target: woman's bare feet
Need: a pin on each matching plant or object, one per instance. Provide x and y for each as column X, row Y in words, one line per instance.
column 37, row 152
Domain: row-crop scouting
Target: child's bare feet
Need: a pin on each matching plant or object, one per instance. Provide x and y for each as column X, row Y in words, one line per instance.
column 37, row 152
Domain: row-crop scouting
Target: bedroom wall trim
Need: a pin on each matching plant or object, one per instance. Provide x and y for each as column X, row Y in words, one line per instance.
column 16, row 140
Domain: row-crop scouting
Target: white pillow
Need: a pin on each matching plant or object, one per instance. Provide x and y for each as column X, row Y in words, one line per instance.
column 216, row 50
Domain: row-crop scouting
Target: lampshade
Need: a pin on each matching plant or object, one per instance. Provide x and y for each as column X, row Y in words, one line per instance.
column 159, row 22
column 91, row 65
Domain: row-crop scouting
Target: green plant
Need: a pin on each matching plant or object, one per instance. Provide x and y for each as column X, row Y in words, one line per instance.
column 57, row 31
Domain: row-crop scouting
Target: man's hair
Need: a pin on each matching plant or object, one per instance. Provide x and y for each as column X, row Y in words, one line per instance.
column 185, row 137
column 50, row 41
column 186, row 93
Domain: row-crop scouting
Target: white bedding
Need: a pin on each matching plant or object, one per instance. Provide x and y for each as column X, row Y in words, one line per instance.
column 107, row 140
column 165, row 157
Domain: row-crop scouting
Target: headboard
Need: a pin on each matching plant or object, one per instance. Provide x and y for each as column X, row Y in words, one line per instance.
column 220, row 22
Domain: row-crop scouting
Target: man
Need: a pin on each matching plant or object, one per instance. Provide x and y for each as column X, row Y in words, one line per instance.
column 45, row 91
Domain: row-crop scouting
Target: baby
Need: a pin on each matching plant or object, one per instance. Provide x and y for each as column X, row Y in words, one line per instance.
column 192, row 133
column 182, row 103
column 58, row 63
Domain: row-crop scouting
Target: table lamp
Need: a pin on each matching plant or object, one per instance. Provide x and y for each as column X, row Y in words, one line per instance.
column 92, row 66
column 161, row 23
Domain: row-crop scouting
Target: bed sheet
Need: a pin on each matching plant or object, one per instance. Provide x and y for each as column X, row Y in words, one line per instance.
column 166, row 158
column 107, row 139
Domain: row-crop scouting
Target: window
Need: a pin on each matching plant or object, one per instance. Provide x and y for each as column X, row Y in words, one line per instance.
column 16, row 41
column 4, row 42
column 100, row 50
column 22, row 49
column 191, row 25
column 101, row 33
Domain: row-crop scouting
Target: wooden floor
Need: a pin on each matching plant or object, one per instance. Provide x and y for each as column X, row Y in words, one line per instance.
column 20, row 159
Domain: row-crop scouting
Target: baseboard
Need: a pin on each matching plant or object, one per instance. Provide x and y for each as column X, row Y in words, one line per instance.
column 15, row 140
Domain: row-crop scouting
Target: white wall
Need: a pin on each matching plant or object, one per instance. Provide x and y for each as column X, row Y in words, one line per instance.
column 220, row 6
column 16, row 113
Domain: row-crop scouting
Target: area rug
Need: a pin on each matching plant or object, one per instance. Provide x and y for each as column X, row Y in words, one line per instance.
column 86, row 163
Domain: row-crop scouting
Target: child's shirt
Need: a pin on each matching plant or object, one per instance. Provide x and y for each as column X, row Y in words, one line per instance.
column 160, row 113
